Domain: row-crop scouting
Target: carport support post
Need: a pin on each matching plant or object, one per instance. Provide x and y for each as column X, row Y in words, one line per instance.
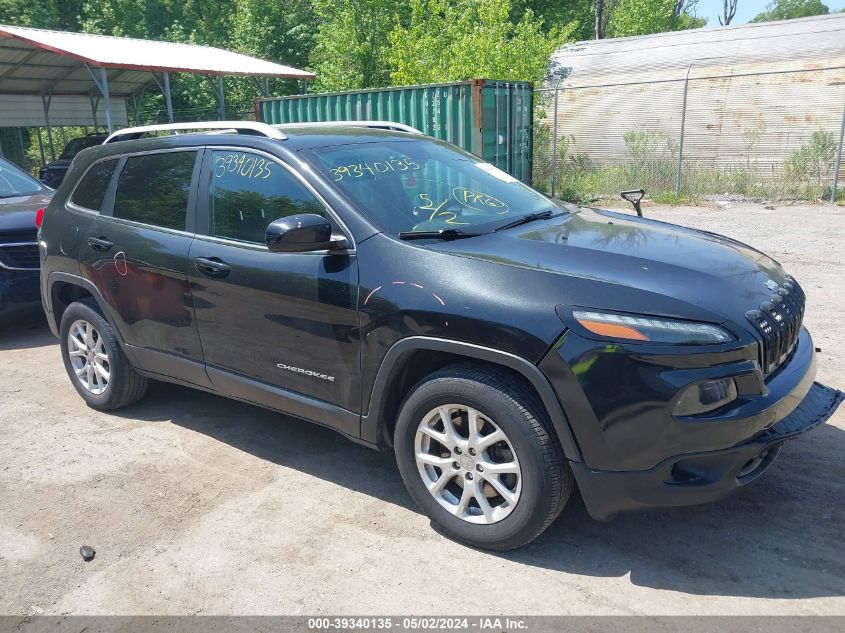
column 221, row 98
column 838, row 162
column 103, row 85
column 167, row 98
column 681, row 142
column 104, row 88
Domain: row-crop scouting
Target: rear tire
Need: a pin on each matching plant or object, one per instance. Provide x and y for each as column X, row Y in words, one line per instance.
column 94, row 359
column 489, row 494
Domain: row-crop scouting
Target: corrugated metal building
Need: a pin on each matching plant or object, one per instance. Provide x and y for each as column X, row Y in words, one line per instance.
column 756, row 101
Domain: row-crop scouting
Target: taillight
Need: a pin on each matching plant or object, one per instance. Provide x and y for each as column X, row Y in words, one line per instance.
column 39, row 218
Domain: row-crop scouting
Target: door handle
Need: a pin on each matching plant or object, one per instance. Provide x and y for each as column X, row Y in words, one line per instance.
column 213, row 267
column 99, row 244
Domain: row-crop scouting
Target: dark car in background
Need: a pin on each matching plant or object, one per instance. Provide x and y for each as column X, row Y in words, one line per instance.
column 52, row 174
column 506, row 346
column 21, row 196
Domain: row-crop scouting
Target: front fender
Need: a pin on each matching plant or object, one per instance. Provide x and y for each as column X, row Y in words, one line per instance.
column 402, row 349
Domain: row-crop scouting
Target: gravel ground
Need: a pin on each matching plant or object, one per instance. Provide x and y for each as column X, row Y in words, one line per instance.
column 197, row 504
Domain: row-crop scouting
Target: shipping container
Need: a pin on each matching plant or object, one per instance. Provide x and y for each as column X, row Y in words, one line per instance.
column 491, row 119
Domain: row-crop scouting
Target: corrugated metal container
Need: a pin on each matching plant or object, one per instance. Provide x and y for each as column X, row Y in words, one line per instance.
column 491, row 119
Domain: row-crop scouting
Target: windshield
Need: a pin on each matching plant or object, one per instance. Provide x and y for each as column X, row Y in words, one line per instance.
column 78, row 144
column 426, row 185
column 14, row 182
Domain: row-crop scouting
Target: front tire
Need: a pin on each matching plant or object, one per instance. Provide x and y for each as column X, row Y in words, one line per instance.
column 479, row 457
column 94, row 360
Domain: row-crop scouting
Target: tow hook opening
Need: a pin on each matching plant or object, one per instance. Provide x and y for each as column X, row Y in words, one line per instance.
column 755, row 466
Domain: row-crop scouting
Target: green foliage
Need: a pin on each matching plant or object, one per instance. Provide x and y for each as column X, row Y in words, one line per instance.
column 653, row 156
column 351, row 46
column 48, row 14
column 448, row 41
column 671, row 198
column 651, row 161
column 643, row 17
column 813, row 160
column 60, row 137
column 788, row 9
column 559, row 13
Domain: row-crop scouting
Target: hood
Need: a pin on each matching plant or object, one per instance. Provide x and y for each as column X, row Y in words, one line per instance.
column 19, row 212
column 713, row 273
column 61, row 163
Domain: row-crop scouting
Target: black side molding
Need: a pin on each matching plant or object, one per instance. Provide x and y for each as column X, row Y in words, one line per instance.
column 371, row 426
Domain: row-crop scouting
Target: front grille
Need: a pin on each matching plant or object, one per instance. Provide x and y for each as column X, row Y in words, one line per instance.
column 20, row 256
column 18, row 236
column 779, row 322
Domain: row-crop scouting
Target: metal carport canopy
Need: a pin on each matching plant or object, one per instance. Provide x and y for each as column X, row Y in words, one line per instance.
column 45, row 63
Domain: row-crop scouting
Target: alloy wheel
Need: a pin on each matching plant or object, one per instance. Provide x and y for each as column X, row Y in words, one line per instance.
column 468, row 464
column 88, row 357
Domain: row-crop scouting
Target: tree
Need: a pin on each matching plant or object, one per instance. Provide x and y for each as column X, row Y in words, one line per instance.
column 351, row 45
column 451, row 40
column 643, row 17
column 677, row 10
column 601, row 19
column 558, row 13
column 788, row 9
column 728, row 11
column 278, row 31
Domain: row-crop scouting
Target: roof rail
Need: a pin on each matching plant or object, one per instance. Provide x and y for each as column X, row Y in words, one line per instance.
column 240, row 127
column 379, row 125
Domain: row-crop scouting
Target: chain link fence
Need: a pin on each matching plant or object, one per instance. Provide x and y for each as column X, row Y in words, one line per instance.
column 761, row 136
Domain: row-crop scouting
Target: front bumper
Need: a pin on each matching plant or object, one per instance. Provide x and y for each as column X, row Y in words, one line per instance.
column 19, row 291
column 635, row 453
column 701, row 477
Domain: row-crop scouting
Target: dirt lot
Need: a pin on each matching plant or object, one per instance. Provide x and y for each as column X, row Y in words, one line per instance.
column 196, row 504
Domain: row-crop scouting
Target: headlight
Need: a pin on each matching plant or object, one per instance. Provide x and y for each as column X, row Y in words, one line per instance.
column 640, row 328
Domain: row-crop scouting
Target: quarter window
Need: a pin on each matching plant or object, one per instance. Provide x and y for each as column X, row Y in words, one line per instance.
column 153, row 189
column 91, row 190
column 249, row 191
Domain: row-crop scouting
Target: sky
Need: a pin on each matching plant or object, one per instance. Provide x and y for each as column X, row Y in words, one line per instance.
column 746, row 9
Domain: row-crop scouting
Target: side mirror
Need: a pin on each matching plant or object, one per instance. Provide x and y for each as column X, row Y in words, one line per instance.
column 634, row 196
column 301, row 233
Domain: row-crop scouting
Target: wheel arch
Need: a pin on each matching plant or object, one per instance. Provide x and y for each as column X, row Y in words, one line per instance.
column 65, row 288
column 412, row 358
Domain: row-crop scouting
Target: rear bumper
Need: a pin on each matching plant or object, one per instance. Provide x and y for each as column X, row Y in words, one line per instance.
column 698, row 478
column 19, row 292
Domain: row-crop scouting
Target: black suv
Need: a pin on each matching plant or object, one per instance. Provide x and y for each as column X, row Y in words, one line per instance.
column 52, row 174
column 401, row 291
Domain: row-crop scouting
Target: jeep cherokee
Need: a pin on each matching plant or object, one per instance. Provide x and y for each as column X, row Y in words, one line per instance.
column 405, row 293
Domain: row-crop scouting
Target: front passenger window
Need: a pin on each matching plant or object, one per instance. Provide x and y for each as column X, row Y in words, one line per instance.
column 249, row 191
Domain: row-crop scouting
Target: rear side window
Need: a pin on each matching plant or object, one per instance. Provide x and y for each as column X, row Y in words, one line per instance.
column 91, row 190
column 249, row 191
column 153, row 189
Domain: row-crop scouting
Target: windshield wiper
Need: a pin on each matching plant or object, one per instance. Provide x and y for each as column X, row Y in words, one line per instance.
column 443, row 234
column 525, row 219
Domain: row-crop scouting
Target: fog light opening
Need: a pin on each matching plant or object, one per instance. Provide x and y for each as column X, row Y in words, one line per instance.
column 704, row 397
